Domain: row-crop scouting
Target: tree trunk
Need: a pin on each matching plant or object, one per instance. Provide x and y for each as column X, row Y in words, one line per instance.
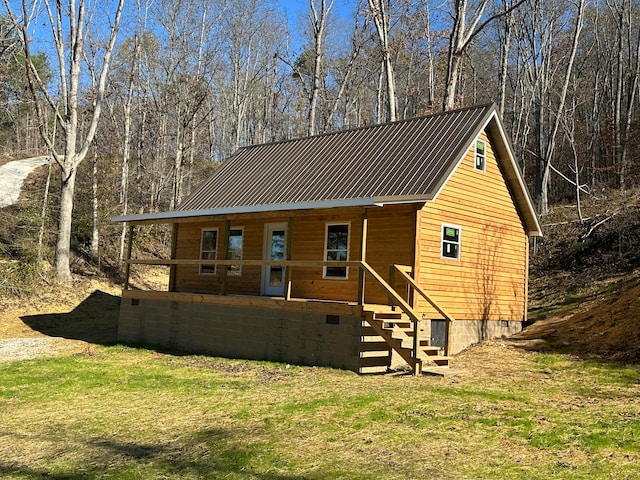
column 318, row 23
column 63, row 245
column 551, row 143
column 504, row 61
column 381, row 20
column 95, row 234
column 43, row 211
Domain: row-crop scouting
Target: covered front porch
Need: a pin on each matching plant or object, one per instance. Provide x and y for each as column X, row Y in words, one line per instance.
column 353, row 335
column 293, row 312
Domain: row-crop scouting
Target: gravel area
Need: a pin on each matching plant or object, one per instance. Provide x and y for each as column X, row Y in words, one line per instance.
column 13, row 175
column 12, row 349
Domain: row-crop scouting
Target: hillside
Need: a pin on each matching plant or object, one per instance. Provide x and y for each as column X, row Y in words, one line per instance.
column 585, row 282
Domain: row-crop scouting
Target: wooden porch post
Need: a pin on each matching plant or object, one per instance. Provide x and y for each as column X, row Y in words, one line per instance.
column 172, row 268
column 287, row 274
column 127, row 265
column 363, row 254
column 392, row 283
column 225, row 256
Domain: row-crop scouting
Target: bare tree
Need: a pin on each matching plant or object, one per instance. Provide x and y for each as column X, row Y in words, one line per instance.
column 126, row 146
column 318, row 23
column 68, row 25
column 380, row 13
column 547, row 141
column 466, row 26
column 624, row 81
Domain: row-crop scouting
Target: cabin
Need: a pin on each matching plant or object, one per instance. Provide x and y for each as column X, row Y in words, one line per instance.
column 393, row 244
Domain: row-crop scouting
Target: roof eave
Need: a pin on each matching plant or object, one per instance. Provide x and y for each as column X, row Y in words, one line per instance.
column 514, row 178
column 168, row 217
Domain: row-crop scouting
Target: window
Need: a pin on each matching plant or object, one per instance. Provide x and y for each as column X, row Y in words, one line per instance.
column 336, row 249
column 209, row 250
column 235, row 251
column 451, row 242
column 481, row 155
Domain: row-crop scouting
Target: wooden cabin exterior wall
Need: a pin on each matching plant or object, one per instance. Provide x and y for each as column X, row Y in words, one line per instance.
column 489, row 281
column 390, row 239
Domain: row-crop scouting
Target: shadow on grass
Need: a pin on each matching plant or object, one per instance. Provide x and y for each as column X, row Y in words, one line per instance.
column 95, row 320
column 212, row 453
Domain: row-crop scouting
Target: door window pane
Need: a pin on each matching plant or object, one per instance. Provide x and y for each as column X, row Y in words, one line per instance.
column 275, row 276
column 277, row 245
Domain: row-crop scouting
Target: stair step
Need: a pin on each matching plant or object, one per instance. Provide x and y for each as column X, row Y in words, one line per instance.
column 374, row 361
column 368, row 332
column 387, row 315
column 430, row 350
column 374, row 346
column 437, row 359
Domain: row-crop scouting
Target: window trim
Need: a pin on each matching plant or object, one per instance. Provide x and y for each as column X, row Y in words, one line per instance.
column 326, row 251
column 442, row 241
column 230, row 272
column 215, row 267
column 481, row 155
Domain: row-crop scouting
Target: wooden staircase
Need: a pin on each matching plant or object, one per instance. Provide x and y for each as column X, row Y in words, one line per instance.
column 387, row 331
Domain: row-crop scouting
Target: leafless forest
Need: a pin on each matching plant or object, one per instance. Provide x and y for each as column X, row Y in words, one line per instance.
column 136, row 101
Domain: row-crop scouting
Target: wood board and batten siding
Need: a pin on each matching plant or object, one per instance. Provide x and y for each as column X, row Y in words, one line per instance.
column 489, row 280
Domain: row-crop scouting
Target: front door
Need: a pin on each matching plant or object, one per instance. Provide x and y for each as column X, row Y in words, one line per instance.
column 275, row 247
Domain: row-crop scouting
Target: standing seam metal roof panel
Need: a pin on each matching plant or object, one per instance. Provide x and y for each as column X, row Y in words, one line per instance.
column 407, row 158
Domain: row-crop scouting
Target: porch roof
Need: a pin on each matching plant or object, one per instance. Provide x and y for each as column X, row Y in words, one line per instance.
column 400, row 162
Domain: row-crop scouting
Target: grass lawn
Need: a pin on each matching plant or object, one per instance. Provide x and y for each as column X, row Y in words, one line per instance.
column 124, row 413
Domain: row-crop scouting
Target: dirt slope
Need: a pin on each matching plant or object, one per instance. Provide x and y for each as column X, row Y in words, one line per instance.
column 606, row 326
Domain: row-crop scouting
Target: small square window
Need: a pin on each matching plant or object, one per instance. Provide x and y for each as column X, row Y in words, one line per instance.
column 451, row 242
column 481, row 155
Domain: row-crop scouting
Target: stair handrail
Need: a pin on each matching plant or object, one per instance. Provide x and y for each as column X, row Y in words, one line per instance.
column 398, row 300
column 406, row 308
column 405, row 271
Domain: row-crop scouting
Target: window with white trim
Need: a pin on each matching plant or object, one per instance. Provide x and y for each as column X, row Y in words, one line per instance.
column 208, row 250
column 450, row 241
column 336, row 248
column 235, row 250
column 481, row 155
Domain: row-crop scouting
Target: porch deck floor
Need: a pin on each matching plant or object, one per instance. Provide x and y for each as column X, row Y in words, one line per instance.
column 301, row 304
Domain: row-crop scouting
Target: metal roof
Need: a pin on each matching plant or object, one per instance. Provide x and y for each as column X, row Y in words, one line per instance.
column 400, row 159
column 399, row 162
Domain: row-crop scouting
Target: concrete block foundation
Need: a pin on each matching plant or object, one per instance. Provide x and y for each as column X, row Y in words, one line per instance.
column 300, row 338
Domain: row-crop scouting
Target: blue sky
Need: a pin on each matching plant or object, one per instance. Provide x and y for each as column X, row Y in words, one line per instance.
column 295, row 9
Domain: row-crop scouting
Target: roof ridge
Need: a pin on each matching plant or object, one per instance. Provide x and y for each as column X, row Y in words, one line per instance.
column 370, row 127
